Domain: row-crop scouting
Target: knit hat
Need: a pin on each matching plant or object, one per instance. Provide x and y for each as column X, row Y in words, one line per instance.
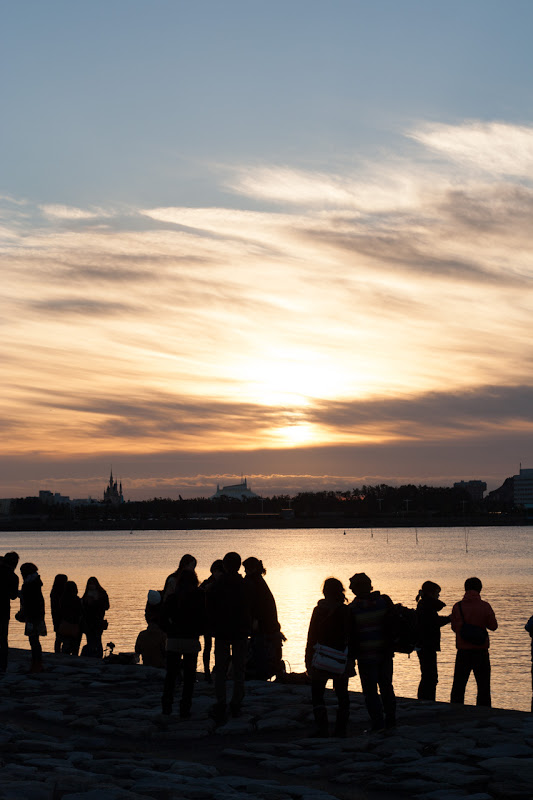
column 154, row 597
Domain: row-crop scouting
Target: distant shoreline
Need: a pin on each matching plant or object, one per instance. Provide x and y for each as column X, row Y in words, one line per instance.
column 262, row 522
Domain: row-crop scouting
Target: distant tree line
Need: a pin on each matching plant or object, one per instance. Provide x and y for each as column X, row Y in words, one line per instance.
column 381, row 501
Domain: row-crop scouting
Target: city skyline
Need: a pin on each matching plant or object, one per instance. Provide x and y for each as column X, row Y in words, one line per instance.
column 291, row 242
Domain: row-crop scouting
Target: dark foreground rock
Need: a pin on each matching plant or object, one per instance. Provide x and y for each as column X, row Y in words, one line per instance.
column 84, row 729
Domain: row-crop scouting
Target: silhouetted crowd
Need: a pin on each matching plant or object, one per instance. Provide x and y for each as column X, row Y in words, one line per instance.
column 238, row 613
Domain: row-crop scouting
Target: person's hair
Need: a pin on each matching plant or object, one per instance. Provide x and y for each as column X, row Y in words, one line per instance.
column 70, row 590
column 12, row 558
column 232, row 562
column 59, row 584
column 217, row 566
column 188, row 581
column 427, row 586
column 186, row 561
column 360, row 583
column 28, row 569
column 473, row 583
column 254, row 563
column 94, row 580
column 333, row 589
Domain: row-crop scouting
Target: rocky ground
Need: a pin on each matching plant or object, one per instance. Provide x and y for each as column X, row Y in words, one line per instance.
column 85, row 730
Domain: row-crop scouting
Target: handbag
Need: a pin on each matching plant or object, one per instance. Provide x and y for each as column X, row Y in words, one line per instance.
column 328, row 659
column 69, row 630
column 473, row 634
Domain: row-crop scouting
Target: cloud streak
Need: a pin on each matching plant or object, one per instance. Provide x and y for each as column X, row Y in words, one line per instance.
column 386, row 303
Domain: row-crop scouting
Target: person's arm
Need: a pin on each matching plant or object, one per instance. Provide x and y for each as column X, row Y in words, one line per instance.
column 491, row 622
column 312, row 639
column 456, row 619
column 529, row 626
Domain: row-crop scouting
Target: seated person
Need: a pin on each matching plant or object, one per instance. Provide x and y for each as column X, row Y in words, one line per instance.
column 151, row 645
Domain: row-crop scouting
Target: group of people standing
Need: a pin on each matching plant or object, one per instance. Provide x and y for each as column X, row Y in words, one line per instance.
column 238, row 612
column 366, row 631
column 72, row 616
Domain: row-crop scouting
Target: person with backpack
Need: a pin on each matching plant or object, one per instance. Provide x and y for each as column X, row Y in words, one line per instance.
column 372, row 643
column 429, row 624
column 470, row 619
column 329, row 626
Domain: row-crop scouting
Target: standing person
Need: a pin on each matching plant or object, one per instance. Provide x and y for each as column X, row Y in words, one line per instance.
column 187, row 563
column 429, row 625
column 183, row 620
column 330, row 626
column 266, row 639
column 32, row 606
column 216, row 570
column 94, row 603
column 229, row 618
column 70, row 625
column 529, row 628
column 9, row 589
column 372, row 645
column 58, row 587
column 470, row 619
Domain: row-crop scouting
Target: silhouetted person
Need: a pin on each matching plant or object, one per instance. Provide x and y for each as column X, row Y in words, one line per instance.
column 94, row 603
column 472, row 656
column 529, row 628
column 330, row 626
column 229, row 618
column 266, row 639
column 187, row 564
column 56, row 593
column 372, row 645
column 151, row 645
column 216, row 570
column 428, row 644
column 183, row 619
column 154, row 604
column 71, row 615
column 9, row 586
column 32, row 607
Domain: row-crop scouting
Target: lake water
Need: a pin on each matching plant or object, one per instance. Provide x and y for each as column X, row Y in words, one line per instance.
column 397, row 560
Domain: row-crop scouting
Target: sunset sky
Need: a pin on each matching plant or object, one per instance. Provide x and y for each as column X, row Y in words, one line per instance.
column 288, row 240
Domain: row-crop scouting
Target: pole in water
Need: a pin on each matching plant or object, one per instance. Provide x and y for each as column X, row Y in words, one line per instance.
column 466, row 540
column 387, row 535
column 416, row 535
column 371, row 533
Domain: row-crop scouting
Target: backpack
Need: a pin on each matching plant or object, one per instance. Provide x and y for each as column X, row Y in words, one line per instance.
column 404, row 629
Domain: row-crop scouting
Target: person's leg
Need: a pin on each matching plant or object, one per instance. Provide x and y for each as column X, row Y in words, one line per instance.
column 239, row 654
column 36, row 653
column 222, row 659
column 206, row 657
column 171, row 674
column 428, row 674
column 58, row 644
column 386, row 689
column 340, row 684
column 318, row 687
column 4, row 649
column 368, row 675
column 461, row 673
column 189, row 678
column 481, row 668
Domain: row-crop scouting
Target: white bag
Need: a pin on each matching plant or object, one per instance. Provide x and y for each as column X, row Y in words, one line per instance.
column 328, row 659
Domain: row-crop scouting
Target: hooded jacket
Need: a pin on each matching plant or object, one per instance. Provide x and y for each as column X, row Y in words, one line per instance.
column 476, row 612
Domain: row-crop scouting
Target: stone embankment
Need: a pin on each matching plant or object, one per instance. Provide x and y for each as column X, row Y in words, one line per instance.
column 85, row 730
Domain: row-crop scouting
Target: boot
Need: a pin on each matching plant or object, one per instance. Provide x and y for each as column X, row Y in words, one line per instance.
column 321, row 719
column 341, row 723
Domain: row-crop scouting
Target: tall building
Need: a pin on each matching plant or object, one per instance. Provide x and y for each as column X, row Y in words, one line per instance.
column 113, row 492
column 475, row 489
column 523, row 488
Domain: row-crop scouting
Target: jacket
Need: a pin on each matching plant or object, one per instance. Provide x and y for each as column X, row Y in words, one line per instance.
column 476, row 612
column 372, row 617
column 228, row 608
column 329, row 625
column 9, row 586
column 429, row 622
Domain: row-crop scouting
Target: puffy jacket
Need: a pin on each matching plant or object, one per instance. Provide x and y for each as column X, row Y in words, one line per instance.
column 476, row 612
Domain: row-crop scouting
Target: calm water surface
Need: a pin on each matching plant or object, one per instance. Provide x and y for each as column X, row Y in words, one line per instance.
column 397, row 560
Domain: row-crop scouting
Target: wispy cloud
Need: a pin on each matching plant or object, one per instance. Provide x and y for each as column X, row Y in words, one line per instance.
column 386, row 302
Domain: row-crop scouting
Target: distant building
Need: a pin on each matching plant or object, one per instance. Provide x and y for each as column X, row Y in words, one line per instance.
column 237, row 491
column 475, row 489
column 113, row 492
column 523, row 488
column 52, row 498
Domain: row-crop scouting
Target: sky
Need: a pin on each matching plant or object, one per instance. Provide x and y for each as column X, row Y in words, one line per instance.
column 290, row 241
